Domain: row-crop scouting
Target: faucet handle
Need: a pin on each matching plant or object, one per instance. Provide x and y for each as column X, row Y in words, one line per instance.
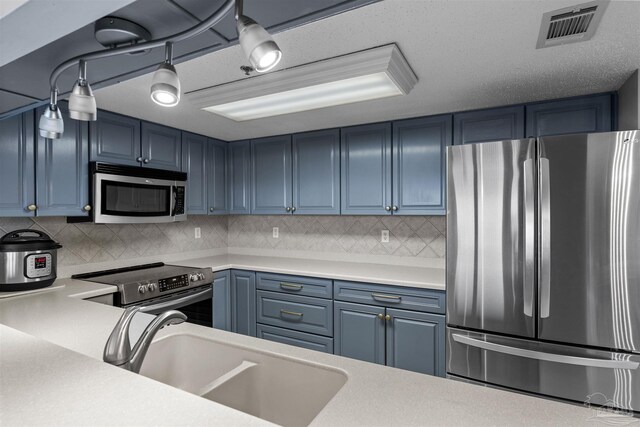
column 117, row 351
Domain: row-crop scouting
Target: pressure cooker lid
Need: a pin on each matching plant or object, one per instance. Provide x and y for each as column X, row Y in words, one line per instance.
column 27, row 240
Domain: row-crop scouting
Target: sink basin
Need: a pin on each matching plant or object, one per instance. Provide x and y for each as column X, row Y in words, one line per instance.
column 277, row 389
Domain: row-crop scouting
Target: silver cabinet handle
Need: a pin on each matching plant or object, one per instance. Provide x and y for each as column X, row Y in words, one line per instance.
column 394, row 208
column 394, row 298
column 529, row 239
column 387, row 208
column 293, row 209
column 291, row 313
column 145, row 161
column 32, row 208
column 288, row 209
column 549, row 357
column 86, row 208
column 210, row 209
column 291, row 286
column 545, row 236
column 138, row 159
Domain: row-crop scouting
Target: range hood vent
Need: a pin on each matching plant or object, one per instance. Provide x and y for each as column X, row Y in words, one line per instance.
column 570, row 24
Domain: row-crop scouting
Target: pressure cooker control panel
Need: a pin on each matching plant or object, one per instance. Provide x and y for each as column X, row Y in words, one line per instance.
column 37, row 265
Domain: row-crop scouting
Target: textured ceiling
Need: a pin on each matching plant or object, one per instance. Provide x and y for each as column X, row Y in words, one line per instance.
column 466, row 54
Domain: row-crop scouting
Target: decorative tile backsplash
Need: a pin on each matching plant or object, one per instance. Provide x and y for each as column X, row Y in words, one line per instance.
column 409, row 236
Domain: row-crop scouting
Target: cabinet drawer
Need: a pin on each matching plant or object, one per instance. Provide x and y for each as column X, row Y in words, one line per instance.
column 391, row 296
column 295, row 285
column 298, row 339
column 304, row 314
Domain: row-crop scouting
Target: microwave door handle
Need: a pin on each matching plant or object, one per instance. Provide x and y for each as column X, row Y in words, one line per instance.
column 175, row 304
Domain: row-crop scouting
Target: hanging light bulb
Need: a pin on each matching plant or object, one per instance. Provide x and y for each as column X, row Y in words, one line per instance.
column 82, row 104
column 258, row 45
column 51, row 124
column 165, row 85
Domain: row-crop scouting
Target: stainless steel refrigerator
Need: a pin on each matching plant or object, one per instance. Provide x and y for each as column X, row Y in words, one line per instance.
column 543, row 266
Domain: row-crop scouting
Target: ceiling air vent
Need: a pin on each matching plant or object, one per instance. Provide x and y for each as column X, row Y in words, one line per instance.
column 570, row 24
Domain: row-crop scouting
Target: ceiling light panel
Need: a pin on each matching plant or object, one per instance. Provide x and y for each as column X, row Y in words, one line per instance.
column 362, row 76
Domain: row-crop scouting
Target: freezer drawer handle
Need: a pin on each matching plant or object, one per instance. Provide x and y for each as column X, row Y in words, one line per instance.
column 394, row 298
column 550, row 357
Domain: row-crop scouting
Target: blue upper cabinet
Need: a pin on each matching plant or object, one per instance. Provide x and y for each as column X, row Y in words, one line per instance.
column 316, row 172
column 62, row 170
column 194, row 163
column 496, row 124
column 217, row 177
column 17, row 174
column 366, row 169
column 271, row 175
column 239, row 177
column 577, row 115
column 161, row 147
column 418, row 165
column 115, row 139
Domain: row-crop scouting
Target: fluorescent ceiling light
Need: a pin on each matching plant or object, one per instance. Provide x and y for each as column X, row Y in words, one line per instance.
column 362, row 76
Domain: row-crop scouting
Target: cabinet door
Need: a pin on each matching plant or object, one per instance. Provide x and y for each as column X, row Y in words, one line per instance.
column 419, row 147
column 222, row 300
column 316, row 172
column 415, row 341
column 496, row 124
column 359, row 332
column 115, row 139
column 62, row 170
column 161, row 147
column 217, row 177
column 17, row 172
column 194, row 163
column 578, row 115
column 366, row 169
column 271, row 175
column 243, row 302
column 238, row 175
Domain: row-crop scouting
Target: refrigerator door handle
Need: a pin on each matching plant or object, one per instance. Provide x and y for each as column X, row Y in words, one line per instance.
column 549, row 357
column 545, row 238
column 529, row 239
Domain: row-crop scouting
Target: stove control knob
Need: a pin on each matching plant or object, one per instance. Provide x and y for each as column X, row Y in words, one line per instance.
column 200, row 276
column 193, row 277
column 152, row 286
column 142, row 289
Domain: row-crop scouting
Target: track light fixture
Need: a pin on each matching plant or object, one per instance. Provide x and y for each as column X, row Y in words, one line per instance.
column 51, row 124
column 258, row 45
column 165, row 85
column 82, row 104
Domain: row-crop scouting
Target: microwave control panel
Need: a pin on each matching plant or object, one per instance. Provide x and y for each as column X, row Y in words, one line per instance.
column 175, row 282
column 37, row 265
column 178, row 208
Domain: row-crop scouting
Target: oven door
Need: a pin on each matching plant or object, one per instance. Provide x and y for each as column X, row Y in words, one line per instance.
column 196, row 304
column 120, row 199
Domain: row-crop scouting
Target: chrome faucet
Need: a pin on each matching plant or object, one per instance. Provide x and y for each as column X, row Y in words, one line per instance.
column 118, row 349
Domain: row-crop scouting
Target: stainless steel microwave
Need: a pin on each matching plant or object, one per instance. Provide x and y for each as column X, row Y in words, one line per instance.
column 128, row 194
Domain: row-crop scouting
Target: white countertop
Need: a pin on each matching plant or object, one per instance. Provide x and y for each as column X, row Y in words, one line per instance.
column 52, row 374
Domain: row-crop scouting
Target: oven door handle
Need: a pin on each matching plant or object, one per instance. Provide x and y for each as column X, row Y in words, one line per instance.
column 175, row 304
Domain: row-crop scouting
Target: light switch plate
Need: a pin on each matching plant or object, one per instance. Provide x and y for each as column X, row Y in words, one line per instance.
column 276, row 232
column 384, row 236
column 198, row 234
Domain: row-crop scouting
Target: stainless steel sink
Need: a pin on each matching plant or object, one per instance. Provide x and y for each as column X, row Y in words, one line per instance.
column 277, row 389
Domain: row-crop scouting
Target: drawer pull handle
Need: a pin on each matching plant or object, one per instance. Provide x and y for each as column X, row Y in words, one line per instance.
column 395, row 298
column 291, row 313
column 290, row 286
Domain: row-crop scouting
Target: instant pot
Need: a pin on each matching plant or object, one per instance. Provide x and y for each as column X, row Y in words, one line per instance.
column 27, row 260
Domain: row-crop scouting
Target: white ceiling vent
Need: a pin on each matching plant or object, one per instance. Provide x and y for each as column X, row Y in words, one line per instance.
column 570, row 24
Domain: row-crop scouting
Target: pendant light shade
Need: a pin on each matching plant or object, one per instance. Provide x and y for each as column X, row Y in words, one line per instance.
column 165, row 85
column 82, row 104
column 258, row 45
column 51, row 124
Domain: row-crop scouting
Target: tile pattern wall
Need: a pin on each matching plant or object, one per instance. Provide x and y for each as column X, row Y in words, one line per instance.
column 409, row 236
column 89, row 243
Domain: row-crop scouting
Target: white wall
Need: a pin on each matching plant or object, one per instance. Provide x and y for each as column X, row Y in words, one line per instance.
column 629, row 103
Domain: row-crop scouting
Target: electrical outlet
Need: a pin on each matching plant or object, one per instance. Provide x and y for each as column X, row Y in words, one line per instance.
column 384, row 236
column 276, row 232
column 197, row 233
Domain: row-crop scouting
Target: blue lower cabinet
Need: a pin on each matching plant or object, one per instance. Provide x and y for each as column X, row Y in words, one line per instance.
column 17, row 173
column 194, row 163
column 62, row 170
column 495, row 124
column 576, row 115
column 222, row 300
column 243, row 302
column 295, row 338
column 416, row 341
column 359, row 332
